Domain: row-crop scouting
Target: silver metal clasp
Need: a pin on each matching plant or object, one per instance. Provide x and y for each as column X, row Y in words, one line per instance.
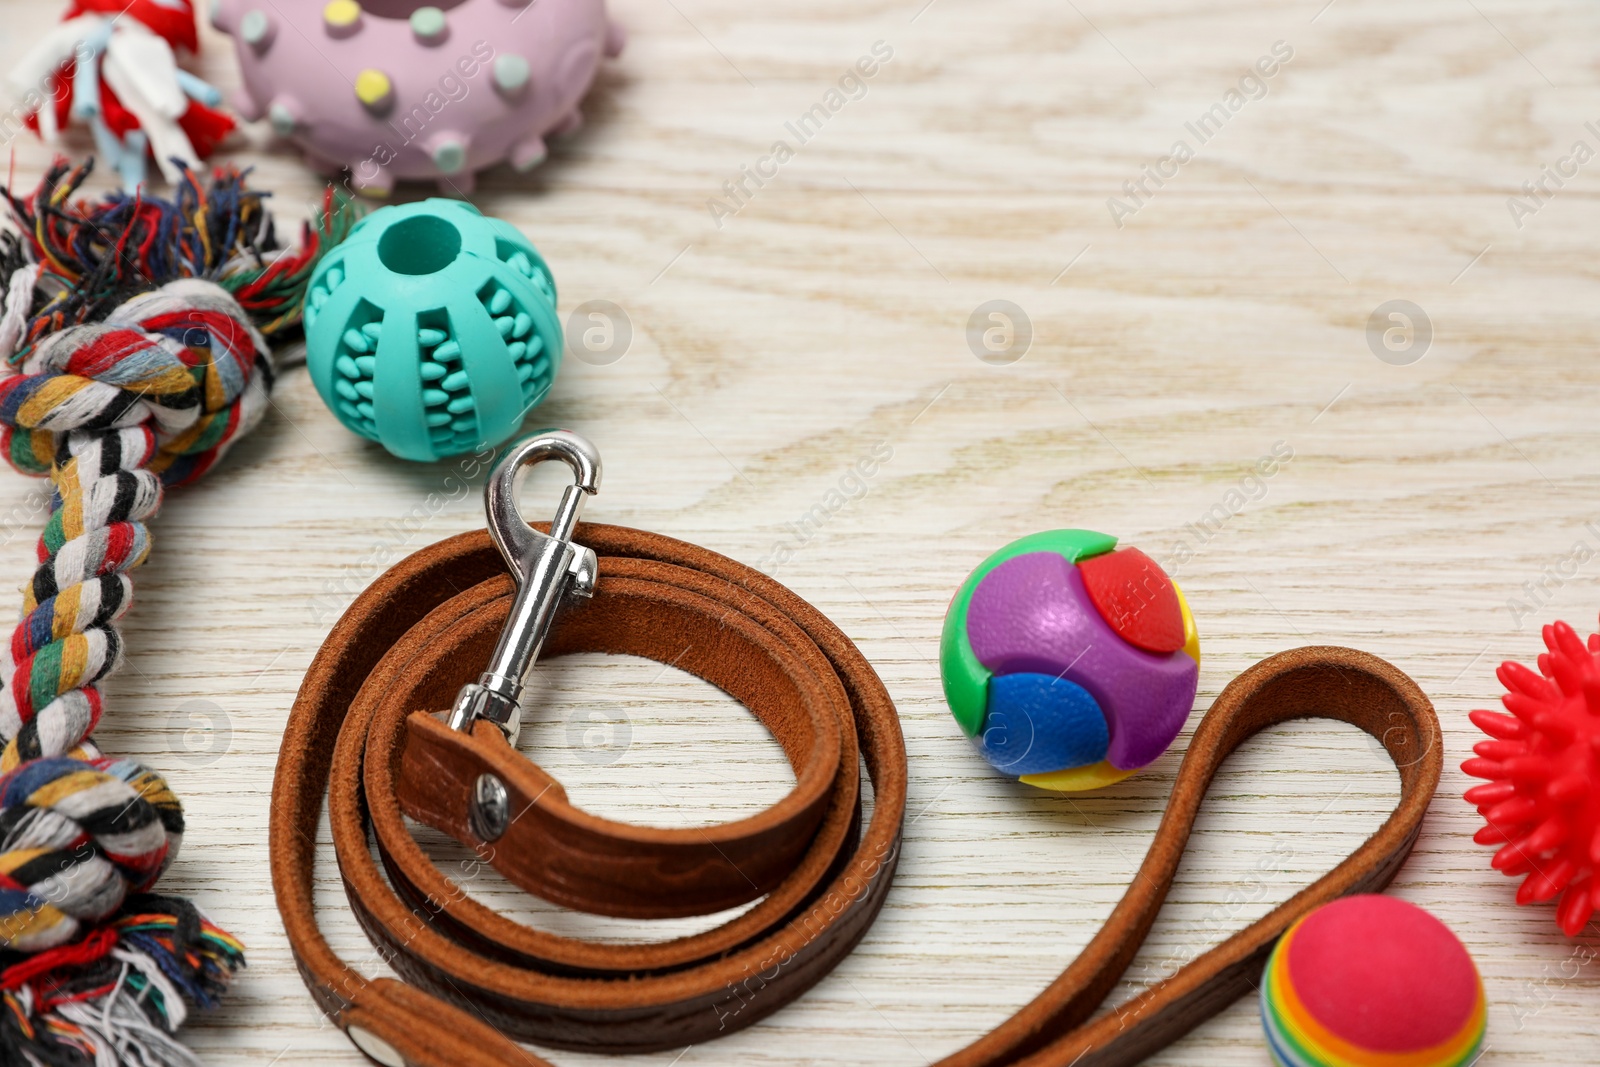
column 546, row 566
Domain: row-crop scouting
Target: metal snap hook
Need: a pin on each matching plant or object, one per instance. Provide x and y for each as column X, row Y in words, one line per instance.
column 546, row 567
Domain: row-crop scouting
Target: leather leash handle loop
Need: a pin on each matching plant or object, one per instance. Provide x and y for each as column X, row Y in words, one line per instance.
column 1313, row 682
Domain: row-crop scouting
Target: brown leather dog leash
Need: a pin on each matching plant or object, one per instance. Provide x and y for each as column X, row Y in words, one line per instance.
column 361, row 731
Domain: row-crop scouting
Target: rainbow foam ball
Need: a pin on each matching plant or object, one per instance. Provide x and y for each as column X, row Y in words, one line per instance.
column 1372, row 981
column 1070, row 663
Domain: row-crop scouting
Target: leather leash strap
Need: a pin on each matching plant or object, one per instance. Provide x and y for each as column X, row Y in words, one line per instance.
column 361, row 732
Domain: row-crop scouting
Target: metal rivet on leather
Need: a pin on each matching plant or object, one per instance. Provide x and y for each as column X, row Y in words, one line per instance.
column 375, row 1047
column 491, row 808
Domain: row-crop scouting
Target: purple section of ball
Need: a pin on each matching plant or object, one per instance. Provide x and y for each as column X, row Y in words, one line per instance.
column 1032, row 613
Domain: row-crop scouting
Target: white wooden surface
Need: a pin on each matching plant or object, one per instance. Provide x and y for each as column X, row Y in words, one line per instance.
column 1227, row 314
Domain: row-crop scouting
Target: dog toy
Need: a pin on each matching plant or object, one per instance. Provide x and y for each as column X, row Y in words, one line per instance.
column 432, row 329
column 1539, row 804
column 1372, row 981
column 393, row 90
column 135, row 334
column 111, row 66
column 1069, row 663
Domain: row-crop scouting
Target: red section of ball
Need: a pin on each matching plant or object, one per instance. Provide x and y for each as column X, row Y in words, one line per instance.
column 1135, row 596
column 1383, row 974
column 1542, row 803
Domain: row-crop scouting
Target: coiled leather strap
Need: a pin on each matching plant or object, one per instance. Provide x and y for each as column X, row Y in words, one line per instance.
column 361, row 732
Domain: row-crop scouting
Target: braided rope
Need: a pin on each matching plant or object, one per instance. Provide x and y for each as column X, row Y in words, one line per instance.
column 154, row 394
column 128, row 334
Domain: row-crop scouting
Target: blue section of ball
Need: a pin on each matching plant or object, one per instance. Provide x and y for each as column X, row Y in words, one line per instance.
column 1038, row 723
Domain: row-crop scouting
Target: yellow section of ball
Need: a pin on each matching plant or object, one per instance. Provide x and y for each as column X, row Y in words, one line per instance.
column 1191, row 635
column 1077, row 779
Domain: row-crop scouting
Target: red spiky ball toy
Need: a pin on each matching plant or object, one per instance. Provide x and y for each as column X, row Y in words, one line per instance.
column 1542, row 803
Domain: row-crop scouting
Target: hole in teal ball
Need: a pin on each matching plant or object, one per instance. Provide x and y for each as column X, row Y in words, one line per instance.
column 422, row 244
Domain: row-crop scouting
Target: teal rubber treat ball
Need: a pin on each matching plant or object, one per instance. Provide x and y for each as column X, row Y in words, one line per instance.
column 432, row 329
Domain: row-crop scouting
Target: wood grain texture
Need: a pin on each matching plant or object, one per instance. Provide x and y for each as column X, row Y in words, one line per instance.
column 829, row 315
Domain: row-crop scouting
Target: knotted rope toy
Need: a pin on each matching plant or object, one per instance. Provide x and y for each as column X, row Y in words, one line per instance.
column 135, row 336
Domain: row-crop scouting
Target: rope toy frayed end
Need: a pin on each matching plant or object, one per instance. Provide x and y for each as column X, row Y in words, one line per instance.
column 124, row 990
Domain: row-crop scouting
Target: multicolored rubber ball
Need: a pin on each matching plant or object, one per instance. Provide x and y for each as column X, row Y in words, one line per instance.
column 1069, row 662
